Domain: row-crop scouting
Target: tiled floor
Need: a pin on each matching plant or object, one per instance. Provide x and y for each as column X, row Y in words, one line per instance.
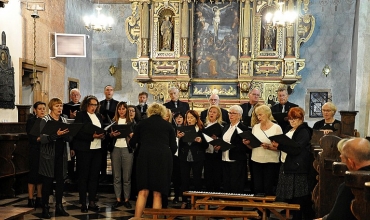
column 72, row 206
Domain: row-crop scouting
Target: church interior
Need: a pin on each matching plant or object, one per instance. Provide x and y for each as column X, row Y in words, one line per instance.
column 228, row 47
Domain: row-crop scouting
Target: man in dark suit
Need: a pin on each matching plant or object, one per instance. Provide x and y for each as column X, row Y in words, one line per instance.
column 175, row 105
column 214, row 99
column 142, row 106
column 107, row 110
column 74, row 97
column 282, row 107
column 248, row 107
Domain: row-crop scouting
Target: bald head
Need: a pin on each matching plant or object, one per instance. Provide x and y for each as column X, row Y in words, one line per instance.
column 356, row 153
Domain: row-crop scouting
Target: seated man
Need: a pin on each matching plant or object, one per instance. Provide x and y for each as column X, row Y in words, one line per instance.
column 356, row 154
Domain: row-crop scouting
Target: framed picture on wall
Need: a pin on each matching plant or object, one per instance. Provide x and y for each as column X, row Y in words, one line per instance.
column 73, row 83
column 317, row 100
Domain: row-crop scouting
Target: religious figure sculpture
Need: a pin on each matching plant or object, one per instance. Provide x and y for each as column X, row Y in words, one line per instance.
column 217, row 17
column 269, row 35
column 166, row 32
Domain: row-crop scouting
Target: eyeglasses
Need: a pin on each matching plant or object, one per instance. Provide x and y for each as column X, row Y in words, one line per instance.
column 326, row 110
column 255, row 94
column 292, row 119
column 233, row 113
column 93, row 104
column 213, row 100
column 131, row 110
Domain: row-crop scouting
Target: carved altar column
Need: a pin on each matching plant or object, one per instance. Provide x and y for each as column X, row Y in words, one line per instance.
column 348, row 122
column 184, row 28
column 290, row 33
column 145, row 30
column 247, row 27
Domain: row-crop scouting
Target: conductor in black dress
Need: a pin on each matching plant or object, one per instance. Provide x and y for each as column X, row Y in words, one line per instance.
column 154, row 163
column 175, row 104
column 107, row 110
column 282, row 107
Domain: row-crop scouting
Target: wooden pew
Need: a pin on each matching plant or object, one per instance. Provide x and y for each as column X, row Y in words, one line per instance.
column 171, row 214
column 325, row 191
column 13, row 163
column 360, row 205
column 14, row 213
column 230, row 196
column 263, row 206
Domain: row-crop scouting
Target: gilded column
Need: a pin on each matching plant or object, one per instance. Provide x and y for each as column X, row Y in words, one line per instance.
column 246, row 28
column 145, row 29
column 184, row 28
column 290, row 32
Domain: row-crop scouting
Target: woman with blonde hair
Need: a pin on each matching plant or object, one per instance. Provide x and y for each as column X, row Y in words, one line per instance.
column 265, row 163
column 329, row 123
column 154, row 163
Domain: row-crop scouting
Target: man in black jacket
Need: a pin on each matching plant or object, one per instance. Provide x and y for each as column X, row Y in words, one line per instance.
column 107, row 110
column 282, row 107
column 175, row 105
column 142, row 106
column 356, row 154
column 248, row 107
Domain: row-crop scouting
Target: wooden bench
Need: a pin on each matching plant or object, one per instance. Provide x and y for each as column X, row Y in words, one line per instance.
column 358, row 181
column 228, row 196
column 171, row 214
column 16, row 213
column 262, row 206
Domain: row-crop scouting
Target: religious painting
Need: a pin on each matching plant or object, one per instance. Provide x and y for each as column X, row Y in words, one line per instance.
column 216, row 40
column 225, row 90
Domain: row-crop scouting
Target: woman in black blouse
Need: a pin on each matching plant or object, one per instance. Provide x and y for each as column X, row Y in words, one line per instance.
column 34, row 178
column 329, row 123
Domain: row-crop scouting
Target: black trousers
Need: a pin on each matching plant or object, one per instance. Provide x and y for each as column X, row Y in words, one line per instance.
column 47, row 182
column 185, row 168
column 265, row 177
column 88, row 167
column 213, row 173
column 234, row 176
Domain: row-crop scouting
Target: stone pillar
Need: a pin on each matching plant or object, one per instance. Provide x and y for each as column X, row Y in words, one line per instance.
column 348, row 122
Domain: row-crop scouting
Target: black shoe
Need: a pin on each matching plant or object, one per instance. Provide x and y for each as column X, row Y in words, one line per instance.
column 37, row 202
column 59, row 210
column 117, row 204
column 127, row 205
column 175, row 200
column 93, row 207
column 31, row 203
column 45, row 211
column 84, row 209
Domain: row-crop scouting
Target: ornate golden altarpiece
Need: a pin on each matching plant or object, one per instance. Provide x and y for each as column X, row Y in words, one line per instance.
column 228, row 46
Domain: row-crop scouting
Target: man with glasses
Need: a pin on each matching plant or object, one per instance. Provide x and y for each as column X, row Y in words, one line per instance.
column 280, row 110
column 248, row 107
column 70, row 108
column 356, row 155
column 107, row 110
column 214, row 99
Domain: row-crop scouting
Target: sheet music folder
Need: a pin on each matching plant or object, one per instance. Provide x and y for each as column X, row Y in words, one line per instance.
column 224, row 145
column 254, row 142
column 283, row 139
column 124, row 129
column 71, row 107
column 35, row 130
column 51, row 127
column 190, row 133
column 215, row 129
column 280, row 117
column 89, row 128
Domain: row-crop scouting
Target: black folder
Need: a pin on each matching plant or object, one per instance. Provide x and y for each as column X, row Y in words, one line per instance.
column 175, row 110
column 125, row 130
column 90, row 128
column 224, row 145
column 283, row 139
column 67, row 107
column 51, row 127
column 280, row 117
column 190, row 133
column 35, row 130
column 215, row 129
column 254, row 141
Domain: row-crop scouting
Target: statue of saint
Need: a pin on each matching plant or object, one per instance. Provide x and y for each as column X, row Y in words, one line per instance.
column 269, row 35
column 166, row 32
